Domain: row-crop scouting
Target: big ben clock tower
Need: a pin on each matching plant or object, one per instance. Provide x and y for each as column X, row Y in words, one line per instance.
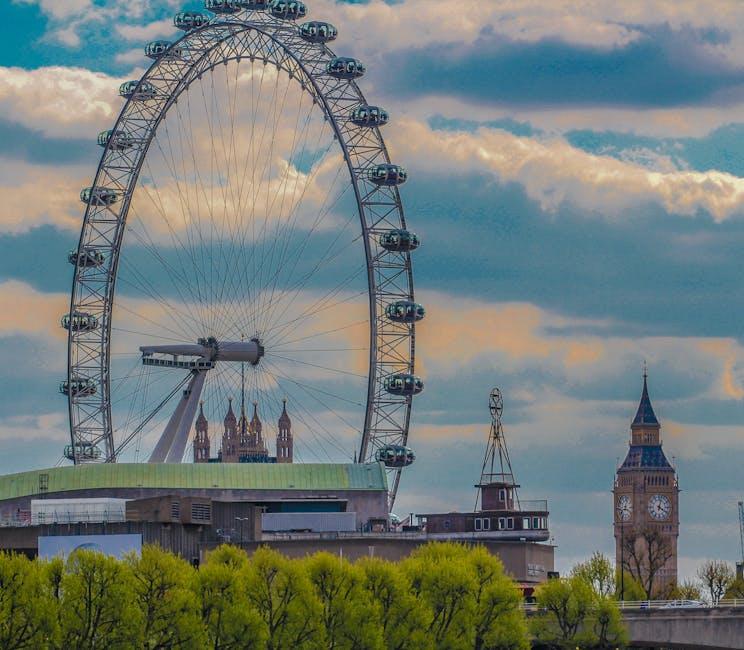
column 646, row 500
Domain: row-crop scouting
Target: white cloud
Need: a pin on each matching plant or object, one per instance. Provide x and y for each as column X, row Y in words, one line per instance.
column 553, row 172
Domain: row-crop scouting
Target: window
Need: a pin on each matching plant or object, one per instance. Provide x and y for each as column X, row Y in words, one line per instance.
column 536, row 522
column 502, row 523
column 175, row 509
column 510, row 523
column 201, row 512
column 502, row 494
column 486, row 524
column 447, row 524
column 525, row 523
column 478, row 523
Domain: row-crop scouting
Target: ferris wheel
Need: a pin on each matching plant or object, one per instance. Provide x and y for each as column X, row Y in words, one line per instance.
column 244, row 237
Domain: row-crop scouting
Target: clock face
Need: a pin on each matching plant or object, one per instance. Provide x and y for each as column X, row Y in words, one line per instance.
column 659, row 507
column 624, row 507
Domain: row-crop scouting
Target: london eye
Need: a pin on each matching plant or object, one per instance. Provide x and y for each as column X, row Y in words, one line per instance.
column 244, row 239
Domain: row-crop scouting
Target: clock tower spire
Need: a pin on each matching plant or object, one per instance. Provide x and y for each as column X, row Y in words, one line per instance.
column 646, row 499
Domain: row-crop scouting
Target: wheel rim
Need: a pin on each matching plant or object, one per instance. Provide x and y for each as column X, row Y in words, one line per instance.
column 257, row 38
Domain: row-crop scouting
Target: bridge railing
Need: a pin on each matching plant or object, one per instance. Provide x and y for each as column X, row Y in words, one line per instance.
column 672, row 605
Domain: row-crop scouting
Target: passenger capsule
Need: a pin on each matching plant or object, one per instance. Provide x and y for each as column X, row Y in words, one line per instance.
column 317, row 32
column 188, row 20
column 87, row 258
column 345, row 67
column 254, row 5
column 395, row 456
column 116, row 140
column 85, row 451
column 222, row 6
column 288, row 9
column 369, row 116
column 79, row 321
column 399, row 241
column 405, row 311
column 138, row 90
column 387, row 175
column 79, row 386
column 162, row 50
column 101, row 196
column 403, row 384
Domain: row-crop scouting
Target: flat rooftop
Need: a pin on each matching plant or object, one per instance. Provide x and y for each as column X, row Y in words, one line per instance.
column 226, row 476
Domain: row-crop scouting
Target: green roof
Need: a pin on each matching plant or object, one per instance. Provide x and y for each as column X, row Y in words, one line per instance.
column 230, row 476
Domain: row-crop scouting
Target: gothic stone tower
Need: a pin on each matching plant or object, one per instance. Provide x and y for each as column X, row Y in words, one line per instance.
column 284, row 441
column 201, row 440
column 646, row 500
column 230, row 436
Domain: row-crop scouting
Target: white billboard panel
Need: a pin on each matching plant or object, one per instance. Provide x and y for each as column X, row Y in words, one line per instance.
column 62, row 545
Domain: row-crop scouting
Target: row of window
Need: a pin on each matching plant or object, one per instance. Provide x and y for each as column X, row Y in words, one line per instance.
column 657, row 480
column 507, row 523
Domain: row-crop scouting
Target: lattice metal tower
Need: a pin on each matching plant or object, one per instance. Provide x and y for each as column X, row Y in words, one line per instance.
column 497, row 466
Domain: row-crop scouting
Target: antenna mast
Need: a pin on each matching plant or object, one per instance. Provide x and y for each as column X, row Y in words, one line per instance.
column 497, row 466
column 741, row 531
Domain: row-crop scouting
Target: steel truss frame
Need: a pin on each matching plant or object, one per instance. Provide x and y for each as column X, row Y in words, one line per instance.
column 255, row 36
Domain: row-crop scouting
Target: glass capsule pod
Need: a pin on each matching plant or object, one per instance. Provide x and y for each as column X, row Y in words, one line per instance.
column 318, row 32
column 395, row 456
column 387, row 175
column 222, row 6
column 405, row 311
column 369, row 116
column 188, row 20
column 403, row 384
column 118, row 141
column 85, row 451
column 288, row 9
column 88, row 258
column 79, row 386
column 399, row 241
column 345, row 67
column 79, row 321
column 254, row 5
column 101, row 196
column 138, row 90
column 162, row 50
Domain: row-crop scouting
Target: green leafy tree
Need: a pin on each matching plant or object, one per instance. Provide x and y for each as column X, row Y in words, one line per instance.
column 282, row 595
column 349, row 616
column 571, row 614
column 403, row 616
column 171, row 616
column 599, row 572
column 28, row 612
column 97, row 603
column 440, row 577
column 499, row 622
column 227, row 615
column 628, row 588
column 735, row 589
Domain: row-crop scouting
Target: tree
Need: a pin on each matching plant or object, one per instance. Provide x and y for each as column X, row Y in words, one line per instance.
column 97, row 603
column 403, row 616
column 349, row 616
column 572, row 614
column 735, row 589
column 169, row 607
column 645, row 554
column 441, row 579
column 28, row 614
column 599, row 572
column 499, row 621
column 716, row 577
column 688, row 590
column 282, row 595
column 227, row 615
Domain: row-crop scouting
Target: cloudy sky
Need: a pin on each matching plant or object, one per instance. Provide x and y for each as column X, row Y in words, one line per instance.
column 577, row 178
